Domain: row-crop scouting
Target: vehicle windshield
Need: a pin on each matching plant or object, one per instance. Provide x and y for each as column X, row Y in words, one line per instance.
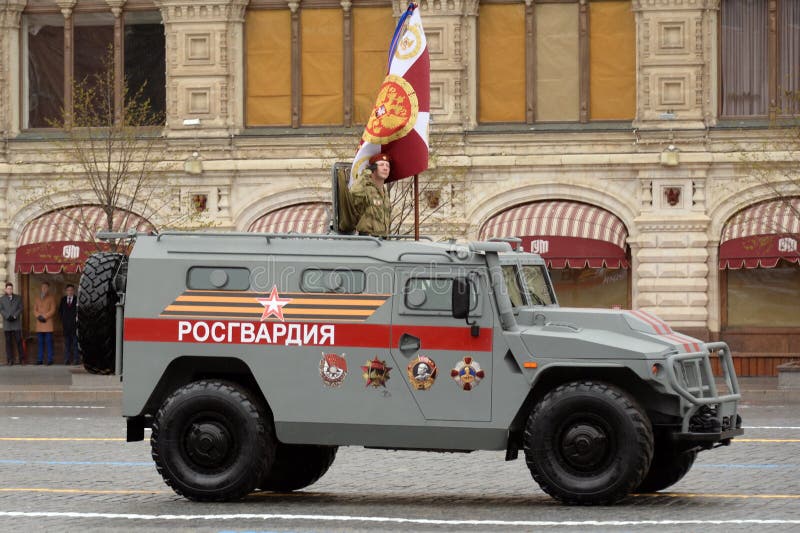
column 530, row 280
column 535, row 278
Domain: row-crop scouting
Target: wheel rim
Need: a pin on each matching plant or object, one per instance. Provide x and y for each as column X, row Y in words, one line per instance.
column 585, row 444
column 209, row 444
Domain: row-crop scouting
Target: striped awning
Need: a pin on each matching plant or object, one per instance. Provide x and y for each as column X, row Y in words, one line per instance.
column 566, row 234
column 61, row 241
column 761, row 235
column 299, row 218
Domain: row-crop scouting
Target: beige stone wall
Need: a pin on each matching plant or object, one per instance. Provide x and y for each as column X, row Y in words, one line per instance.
column 626, row 171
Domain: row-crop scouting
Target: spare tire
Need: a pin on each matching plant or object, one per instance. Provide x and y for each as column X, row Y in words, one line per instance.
column 104, row 275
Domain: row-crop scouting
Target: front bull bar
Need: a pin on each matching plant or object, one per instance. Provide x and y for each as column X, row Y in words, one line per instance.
column 703, row 392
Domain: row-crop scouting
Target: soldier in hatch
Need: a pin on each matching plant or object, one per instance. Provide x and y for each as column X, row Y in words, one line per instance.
column 370, row 199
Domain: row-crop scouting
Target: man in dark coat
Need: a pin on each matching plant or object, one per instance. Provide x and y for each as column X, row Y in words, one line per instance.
column 11, row 309
column 68, row 311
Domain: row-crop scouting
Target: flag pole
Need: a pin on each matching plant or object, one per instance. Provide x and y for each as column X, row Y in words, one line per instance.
column 416, row 207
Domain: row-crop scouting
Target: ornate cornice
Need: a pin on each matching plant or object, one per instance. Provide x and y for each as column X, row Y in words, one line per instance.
column 10, row 13
column 673, row 5
column 204, row 11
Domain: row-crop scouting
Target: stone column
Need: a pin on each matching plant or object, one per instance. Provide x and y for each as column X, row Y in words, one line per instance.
column 205, row 66
column 10, row 82
column 10, row 106
column 671, row 249
column 676, row 58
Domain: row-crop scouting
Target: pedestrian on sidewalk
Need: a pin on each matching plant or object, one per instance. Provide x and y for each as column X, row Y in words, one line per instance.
column 11, row 309
column 44, row 308
column 68, row 311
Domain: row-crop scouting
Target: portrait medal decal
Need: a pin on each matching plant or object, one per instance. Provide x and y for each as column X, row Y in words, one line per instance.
column 422, row 372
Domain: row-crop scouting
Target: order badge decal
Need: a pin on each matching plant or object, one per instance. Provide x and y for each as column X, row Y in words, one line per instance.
column 422, row 372
column 332, row 369
column 376, row 373
column 467, row 373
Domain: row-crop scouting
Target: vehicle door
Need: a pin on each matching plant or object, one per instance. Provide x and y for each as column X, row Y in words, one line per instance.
column 445, row 368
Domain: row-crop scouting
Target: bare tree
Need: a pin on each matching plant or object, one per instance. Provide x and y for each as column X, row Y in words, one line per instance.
column 774, row 164
column 115, row 146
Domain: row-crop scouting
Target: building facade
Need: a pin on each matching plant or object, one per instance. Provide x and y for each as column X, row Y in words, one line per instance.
column 615, row 137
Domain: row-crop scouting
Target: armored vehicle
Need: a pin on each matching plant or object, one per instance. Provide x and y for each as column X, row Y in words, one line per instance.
column 254, row 356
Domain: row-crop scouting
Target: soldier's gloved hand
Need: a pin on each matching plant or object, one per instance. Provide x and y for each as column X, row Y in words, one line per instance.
column 41, row 318
column 12, row 318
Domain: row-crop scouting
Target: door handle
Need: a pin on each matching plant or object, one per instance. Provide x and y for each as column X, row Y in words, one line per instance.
column 409, row 344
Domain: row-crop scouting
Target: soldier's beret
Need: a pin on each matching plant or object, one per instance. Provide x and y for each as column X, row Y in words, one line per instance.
column 380, row 157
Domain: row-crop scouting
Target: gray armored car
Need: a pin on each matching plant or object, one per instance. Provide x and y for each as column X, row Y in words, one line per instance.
column 254, row 356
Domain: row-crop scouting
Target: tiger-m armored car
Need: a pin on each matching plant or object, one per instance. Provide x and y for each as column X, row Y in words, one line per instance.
column 254, row 356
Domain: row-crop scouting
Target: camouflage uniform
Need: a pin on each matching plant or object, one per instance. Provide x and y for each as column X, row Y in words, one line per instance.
column 372, row 205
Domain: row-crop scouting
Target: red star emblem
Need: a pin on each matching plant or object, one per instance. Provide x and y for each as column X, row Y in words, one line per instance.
column 273, row 305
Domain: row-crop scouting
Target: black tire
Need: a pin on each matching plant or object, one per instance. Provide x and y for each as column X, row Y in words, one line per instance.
column 103, row 276
column 588, row 443
column 297, row 466
column 669, row 465
column 212, row 441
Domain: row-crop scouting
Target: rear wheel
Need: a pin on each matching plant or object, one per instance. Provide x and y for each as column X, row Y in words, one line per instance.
column 297, row 466
column 669, row 465
column 212, row 441
column 588, row 443
column 103, row 277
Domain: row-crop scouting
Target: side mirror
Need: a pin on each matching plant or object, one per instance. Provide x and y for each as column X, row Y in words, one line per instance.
column 460, row 299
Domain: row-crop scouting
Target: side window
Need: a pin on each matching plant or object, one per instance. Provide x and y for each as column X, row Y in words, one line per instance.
column 341, row 281
column 433, row 294
column 218, row 279
column 512, row 285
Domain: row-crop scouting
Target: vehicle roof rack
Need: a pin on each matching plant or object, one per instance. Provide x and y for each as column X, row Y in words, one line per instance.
column 514, row 242
column 269, row 236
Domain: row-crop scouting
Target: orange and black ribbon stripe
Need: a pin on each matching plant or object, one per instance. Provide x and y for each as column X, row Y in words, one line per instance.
column 318, row 307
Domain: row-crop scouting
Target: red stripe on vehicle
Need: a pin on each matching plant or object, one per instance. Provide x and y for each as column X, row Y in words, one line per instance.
column 346, row 335
column 666, row 327
column 650, row 322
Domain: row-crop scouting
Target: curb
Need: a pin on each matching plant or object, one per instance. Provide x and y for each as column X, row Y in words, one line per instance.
column 60, row 397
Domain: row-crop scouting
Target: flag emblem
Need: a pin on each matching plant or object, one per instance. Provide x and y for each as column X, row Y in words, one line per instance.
column 396, row 112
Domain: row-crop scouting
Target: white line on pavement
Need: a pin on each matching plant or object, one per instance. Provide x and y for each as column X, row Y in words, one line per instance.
column 395, row 520
column 55, row 406
column 771, row 427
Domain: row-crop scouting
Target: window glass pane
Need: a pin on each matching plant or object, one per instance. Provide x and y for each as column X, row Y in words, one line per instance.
column 789, row 52
column 557, row 71
column 434, row 294
column 764, row 297
column 268, row 44
column 512, row 285
column 94, row 38
column 44, row 43
column 745, row 78
column 220, row 279
column 342, row 281
column 145, row 63
column 591, row 287
column 536, row 281
column 321, row 65
column 612, row 61
column 372, row 29
column 501, row 63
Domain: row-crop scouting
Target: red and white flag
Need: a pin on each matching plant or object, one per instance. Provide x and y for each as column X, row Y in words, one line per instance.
column 398, row 125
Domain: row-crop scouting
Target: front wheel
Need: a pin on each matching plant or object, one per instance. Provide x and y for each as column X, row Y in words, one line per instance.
column 297, row 466
column 212, row 441
column 588, row 443
column 669, row 465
